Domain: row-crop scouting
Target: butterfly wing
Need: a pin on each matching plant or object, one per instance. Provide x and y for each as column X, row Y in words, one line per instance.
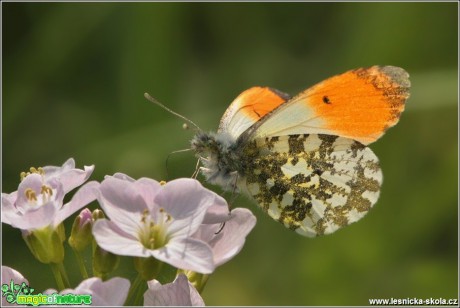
column 248, row 108
column 360, row 104
column 305, row 159
column 313, row 184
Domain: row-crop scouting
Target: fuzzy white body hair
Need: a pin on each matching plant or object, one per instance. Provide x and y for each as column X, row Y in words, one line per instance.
column 220, row 159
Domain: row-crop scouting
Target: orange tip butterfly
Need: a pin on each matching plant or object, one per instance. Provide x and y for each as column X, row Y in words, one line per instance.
column 305, row 160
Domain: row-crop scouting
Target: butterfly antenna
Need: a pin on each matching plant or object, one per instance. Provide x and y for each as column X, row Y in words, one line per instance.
column 156, row 102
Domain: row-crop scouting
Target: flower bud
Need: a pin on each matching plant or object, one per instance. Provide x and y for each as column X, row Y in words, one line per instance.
column 97, row 214
column 104, row 262
column 81, row 235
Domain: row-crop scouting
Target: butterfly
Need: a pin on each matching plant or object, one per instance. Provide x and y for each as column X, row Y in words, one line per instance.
column 304, row 159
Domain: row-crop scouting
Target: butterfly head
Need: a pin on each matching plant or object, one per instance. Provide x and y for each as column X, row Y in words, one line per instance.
column 205, row 144
column 219, row 158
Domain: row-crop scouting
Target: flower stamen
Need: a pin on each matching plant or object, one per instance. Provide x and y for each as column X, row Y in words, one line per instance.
column 32, row 170
column 145, row 213
column 152, row 234
column 47, row 190
column 30, row 194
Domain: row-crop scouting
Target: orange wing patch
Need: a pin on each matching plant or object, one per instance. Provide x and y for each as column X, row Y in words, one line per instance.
column 256, row 102
column 249, row 107
column 360, row 104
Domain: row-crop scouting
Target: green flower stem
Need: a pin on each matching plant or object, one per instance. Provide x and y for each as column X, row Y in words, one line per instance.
column 132, row 291
column 64, row 276
column 57, row 276
column 202, row 283
column 140, row 294
column 81, row 264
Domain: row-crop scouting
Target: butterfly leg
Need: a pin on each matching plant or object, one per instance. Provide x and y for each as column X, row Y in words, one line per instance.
column 197, row 169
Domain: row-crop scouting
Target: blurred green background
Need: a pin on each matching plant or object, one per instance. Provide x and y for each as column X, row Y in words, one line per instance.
column 74, row 75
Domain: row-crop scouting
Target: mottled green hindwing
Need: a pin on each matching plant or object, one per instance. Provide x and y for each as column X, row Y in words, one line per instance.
column 313, row 184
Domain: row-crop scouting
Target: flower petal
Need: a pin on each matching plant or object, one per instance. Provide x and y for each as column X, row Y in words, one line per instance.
column 68, row 175
column 123, row 202
column 148, row 189
column 149, row 186
column 10, row 198
column 127, row 221
column 187, row 254
column 76, row 177
column 122, row 176
column 9, row 273
column 230, row 240
column 36, row 219
column 8, row 209
column 180, row 228
column 122, row 194
column 112, row 292
column 85, row 195
column 195, row 296
column 111, row 238
column 217, row 213
column 178, row 293
column 54, row 171
column 185, row 197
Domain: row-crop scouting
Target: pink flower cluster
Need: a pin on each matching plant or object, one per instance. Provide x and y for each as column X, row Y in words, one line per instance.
column 38, row 202
column 175, row 223
column 180, row 223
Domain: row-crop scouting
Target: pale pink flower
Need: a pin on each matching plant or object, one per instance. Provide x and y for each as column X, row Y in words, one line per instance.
column 178, row 293
column 112, row 292
column 68, row 175
column 38, row 202
column 227, row 236
column 151, row 220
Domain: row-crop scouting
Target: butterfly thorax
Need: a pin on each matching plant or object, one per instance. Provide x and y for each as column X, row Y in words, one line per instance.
column 221, row 158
